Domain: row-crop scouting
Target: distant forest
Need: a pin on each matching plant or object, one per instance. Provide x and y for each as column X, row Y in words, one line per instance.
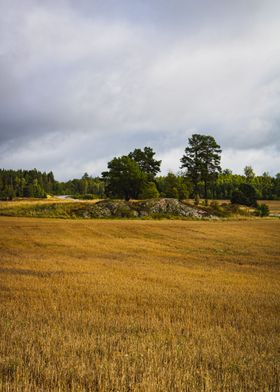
column 35, row 184
column 136, row 176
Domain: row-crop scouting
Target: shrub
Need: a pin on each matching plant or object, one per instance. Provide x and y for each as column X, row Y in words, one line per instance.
column 245, row 194
column 172, row 193
column 216, row 209
column 196, row 200
column 262, row 210
column 233, row 208
column 238, row 197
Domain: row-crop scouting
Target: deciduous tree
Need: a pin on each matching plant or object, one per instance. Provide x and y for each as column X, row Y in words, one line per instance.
column 146, row 161
column 124, row 178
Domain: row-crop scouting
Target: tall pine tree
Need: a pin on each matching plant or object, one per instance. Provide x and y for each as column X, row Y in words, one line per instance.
column 202, row 161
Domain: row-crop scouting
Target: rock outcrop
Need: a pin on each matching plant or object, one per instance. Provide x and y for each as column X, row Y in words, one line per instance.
column 149, row 208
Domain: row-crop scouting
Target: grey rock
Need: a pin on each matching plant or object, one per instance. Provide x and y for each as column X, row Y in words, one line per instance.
column 153, row 207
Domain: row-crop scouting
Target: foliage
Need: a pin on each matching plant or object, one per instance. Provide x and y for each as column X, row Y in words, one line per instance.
column 25, row 183
column 249, row 173
column 173, row 186
column 196, row 200
column 132, row 175
column 262, row 210
column 267, row 187
column 218, row 210
column 146, row 162
column 149, row 191
column 124, row 178
column 202, row 161
column 245, row 194
column 33, row 183
column 202, row 178
column 85, row 185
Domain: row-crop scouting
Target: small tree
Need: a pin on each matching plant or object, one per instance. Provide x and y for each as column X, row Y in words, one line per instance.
column 173, row 186
column 202, row 161
column 183, row 192
column 8, row 193
column 249, row 173
column 37, row 190
column 149, row 191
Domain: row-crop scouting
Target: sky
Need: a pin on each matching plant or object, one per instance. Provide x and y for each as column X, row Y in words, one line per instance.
column 84, row 81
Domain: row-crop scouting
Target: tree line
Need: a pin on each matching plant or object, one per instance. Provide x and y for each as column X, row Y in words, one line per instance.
column 35, row 184
column 136, row 176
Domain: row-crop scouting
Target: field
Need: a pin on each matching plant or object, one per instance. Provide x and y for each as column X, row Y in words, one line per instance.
column 274, row 205
column 100, row 305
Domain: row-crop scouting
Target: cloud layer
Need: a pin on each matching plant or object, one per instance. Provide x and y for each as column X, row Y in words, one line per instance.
column 84, row 81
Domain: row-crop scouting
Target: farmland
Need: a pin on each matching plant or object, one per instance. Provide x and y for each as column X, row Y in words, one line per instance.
column 101, row 305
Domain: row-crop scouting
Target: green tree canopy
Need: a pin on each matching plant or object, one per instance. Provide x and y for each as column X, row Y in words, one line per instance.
column 249, row 173
column 124, row 178
column 146, row 161
column 173, row 186
column 149, row 191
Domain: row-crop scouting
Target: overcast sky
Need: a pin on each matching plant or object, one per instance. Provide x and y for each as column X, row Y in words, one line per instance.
column 84, row 81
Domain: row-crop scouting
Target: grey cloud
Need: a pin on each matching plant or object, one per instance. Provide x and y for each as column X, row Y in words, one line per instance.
column 87, row 80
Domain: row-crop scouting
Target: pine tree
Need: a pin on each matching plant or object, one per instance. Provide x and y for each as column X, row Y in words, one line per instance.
column 202, row 161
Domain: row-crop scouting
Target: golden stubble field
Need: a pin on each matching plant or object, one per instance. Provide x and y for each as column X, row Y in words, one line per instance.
column 139, row 305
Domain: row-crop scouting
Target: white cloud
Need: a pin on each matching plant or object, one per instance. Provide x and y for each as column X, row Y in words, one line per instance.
column 265, row 160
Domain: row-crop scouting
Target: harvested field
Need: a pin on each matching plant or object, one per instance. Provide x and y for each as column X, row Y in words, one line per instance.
column 139, row 305
column 274, row 205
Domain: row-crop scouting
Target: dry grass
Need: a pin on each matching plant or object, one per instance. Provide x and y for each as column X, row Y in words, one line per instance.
column 139, row 305
column 274, row 205
column 51, row 207
column 29, row 201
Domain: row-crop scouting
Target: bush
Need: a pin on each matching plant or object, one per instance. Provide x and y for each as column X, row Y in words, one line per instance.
column 172, row 193
column 217, row 209
column 245, row 194
column 262, row 210
column 196, row 200
column 237, row 210
column 238, row 197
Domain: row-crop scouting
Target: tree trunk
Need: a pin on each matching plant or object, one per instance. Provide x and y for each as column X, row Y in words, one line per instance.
column 205, row 192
